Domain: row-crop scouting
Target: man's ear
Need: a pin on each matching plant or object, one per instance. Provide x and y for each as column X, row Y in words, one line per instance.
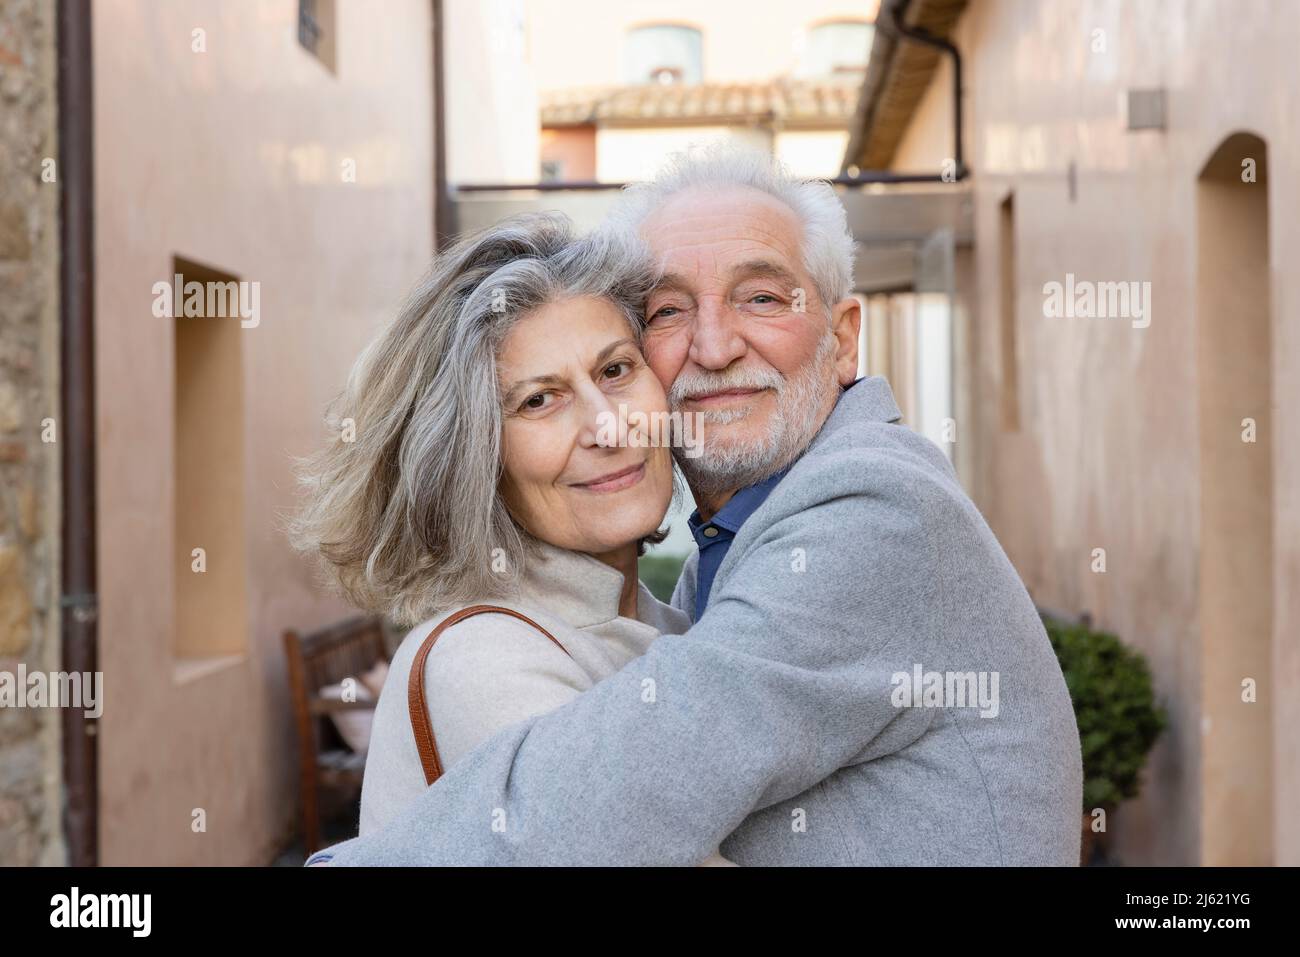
column 846, row 326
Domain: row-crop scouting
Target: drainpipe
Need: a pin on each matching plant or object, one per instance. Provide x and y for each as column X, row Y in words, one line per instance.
column 78, row 604
column 442, row 224
column 893, row 22
column 944, row 46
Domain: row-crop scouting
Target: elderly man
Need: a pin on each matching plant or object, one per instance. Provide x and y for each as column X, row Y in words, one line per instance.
column 866, row 681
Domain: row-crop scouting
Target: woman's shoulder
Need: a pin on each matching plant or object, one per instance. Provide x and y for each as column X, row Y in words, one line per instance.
column 483, row 673
column 480, row 644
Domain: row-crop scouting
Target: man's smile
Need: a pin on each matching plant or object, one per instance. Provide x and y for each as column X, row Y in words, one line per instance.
column 722, row 397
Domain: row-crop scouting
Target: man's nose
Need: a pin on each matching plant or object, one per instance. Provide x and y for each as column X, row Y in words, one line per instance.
column 717, row 340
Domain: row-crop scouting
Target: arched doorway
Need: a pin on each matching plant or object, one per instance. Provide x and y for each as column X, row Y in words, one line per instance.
column 1234, row 310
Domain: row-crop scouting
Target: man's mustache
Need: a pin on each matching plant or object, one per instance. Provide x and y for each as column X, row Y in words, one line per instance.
column 690, row 384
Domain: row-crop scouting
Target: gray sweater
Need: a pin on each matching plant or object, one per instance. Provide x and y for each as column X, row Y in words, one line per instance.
column 869, row 684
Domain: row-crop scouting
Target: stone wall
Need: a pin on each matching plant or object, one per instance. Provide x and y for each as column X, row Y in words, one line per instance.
column 30, row 788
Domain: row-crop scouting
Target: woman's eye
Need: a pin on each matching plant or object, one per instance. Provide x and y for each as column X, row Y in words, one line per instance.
column 536, row 401
column 616, row 369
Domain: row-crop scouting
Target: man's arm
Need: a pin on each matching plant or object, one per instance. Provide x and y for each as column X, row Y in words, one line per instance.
column 784, row 680
column 493, row 671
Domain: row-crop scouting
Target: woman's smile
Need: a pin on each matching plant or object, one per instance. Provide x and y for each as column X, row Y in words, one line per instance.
column 613, row 481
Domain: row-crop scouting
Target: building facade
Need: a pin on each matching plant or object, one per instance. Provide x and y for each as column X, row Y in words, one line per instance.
column 1133, row 350
column 654, row 78
column 283, row 151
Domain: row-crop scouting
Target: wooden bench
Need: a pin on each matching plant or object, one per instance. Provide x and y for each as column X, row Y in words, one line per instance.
column 325, row 657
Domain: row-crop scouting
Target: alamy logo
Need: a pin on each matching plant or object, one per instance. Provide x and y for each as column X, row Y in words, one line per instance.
column 1098, row 300
column 946, row 689
column 58, row 689
column 209, row 300
column 102, row 910
column 639, row 430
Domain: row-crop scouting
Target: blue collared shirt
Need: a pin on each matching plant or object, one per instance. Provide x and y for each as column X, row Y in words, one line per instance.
column 715, row 537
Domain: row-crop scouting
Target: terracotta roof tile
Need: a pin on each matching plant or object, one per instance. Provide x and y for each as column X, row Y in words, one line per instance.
column 826, row 103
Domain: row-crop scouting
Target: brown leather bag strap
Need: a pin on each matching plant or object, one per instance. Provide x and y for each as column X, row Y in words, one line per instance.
column 424, row 739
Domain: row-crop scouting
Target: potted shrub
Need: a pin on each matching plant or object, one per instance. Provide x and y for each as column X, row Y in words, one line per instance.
column 1115, row 708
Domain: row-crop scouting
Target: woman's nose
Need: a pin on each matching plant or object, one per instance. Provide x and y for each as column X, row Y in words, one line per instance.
column 601, row 421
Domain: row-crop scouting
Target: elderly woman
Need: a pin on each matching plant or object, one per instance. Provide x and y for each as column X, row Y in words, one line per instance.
column 483, row 472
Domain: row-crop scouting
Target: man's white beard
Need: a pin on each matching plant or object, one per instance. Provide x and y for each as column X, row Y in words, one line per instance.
column 724, row 466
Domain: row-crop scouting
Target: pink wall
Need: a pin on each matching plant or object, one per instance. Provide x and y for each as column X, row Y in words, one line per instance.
column 233, row 157
column 1108, row 454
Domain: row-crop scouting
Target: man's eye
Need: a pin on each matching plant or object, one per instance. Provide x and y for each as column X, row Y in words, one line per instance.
column 763, row 298
column 663, row 312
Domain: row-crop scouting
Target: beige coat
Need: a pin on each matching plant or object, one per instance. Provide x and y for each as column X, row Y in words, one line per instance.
column 491, row 671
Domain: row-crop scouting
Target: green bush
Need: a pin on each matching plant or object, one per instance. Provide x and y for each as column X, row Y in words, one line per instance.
column 660, row 573
column 1114, row 705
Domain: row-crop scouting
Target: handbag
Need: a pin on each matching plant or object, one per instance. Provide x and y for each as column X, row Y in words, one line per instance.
column 425, row 742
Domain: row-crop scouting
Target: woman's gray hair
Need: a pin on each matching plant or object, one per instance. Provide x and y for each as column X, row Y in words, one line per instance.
column 826, row 244
column 405, row 515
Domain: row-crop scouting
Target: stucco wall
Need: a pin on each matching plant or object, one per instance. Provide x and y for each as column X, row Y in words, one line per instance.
column 1108, row 451
column 490, row 96
column 625, row 154
column 234, row 157
column 739, row 43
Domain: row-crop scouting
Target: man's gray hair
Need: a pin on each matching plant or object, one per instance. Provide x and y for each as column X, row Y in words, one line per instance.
column 826, row 244
column 405, row 516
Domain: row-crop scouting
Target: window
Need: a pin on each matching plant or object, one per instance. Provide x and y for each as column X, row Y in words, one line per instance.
column 316, row 30
column 840, row 48
column 211, row 570
column 664, row 54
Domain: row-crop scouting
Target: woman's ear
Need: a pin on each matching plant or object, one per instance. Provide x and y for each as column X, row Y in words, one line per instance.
column 846, row 326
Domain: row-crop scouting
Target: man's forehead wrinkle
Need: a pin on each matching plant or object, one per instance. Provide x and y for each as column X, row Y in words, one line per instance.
column 693, row 235
column 699, row 239
column 691, row 263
